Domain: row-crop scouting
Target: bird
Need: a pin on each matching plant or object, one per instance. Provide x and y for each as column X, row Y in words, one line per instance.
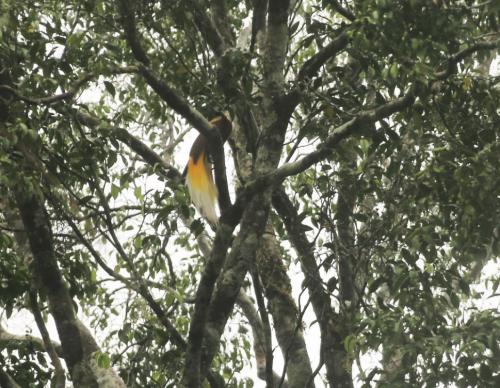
column 198, row 171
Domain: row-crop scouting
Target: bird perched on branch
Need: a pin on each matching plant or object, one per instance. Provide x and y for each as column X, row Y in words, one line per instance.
column 198, row 171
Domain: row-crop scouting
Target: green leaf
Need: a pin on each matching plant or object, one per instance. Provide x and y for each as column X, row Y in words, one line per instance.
column 138, row 193
column 115, row 190
column 138, row 242
column 110, row 88
column 103, row 360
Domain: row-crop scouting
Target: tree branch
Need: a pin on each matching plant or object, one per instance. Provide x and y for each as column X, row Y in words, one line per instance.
column 136, row 145
column 177, row 103
column 218, row 12
column 276, row 43
column 6, row 381
column 313, row 64
column 78, row 345
column 181, row 106
column 60, row 378
column 73, row 90
column 213, row 267
column 284, row 311
column 459, row 56
column 332, row 345
column 341, row 10
column 266, row 327
column 248, row 308
column 258, row 22
column 209, row 28
column 362, row 119
column 240, row 259
column 129, row 25
column 246, row 304
column 9, row 340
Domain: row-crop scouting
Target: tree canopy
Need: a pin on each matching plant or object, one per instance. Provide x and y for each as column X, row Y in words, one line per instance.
column 358, row 241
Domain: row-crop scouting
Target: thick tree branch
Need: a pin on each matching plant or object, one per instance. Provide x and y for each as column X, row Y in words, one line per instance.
column 313, row 64
column 276, row 44
column 14, row 341
column 60, row 378
column 251, row 313
column 332, row 345
column 222, row 241
column 240, row 259
column 258, row 22
column 285, row 313
column 129, row 26
column 220, row 20
column 266, row 327
column 209, row 28
column 346, row 258
column 77, row 343
column 38, row 229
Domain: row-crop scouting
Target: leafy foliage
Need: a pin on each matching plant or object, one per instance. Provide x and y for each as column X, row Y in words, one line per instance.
column 402, row 216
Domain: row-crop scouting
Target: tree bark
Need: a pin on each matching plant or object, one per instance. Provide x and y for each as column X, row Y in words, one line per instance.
column 285, row 314
column 332, row 349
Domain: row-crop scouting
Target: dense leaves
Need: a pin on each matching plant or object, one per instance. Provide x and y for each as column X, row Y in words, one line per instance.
column 401, row 217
